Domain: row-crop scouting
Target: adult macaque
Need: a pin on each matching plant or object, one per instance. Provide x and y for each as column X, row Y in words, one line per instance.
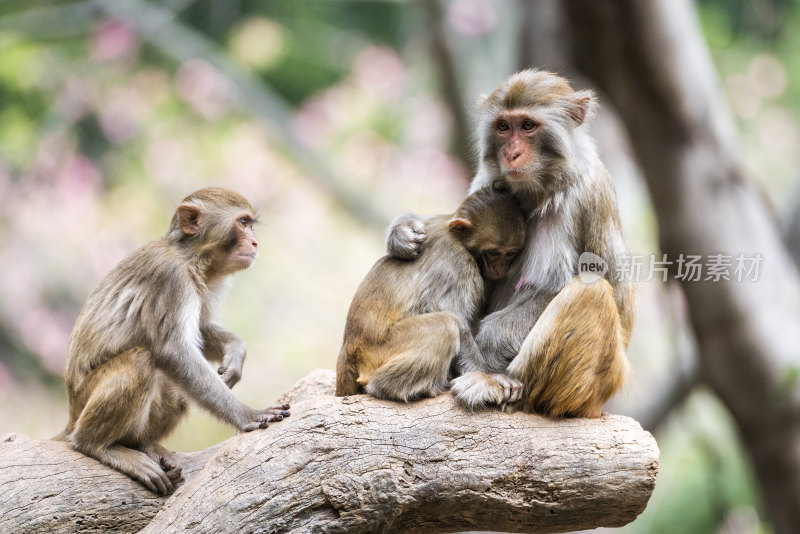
column 410, row 322
column 142, row 344
column 564, row 339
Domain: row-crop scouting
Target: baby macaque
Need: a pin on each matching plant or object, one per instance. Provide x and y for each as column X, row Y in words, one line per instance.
column 410, row 321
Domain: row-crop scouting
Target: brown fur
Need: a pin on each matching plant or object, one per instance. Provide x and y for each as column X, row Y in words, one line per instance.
column 142, row 344
column 575, row 365
column 561, row 340
column 409, row 320
column 572, row 360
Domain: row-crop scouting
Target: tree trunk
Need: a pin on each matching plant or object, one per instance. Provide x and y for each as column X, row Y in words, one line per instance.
column 650, row 59
column 353, row 464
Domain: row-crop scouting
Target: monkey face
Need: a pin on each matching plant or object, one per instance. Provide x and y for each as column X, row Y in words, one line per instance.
column 515, row 133
column 216, row 225
column 245, row 245
column 495, row 262
column 527, row 127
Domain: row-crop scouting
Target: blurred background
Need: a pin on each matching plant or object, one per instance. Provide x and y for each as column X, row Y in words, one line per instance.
column 334, row 117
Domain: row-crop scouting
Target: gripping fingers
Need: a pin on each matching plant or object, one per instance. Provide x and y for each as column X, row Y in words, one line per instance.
column 476, row 389
column 154, row 478
column 272, row 414
column 230, row 376
column 512, row 388
column 279, row 409
column 406, row 238
column 413, row 236
column 249, row 427
column 173, row 471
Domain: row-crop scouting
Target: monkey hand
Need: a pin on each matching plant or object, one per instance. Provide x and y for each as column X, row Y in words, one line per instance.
column 230, row 375
column 260, row 418
column 232, row 361
column 230, row 372
column 405, row 238
column 476, row 389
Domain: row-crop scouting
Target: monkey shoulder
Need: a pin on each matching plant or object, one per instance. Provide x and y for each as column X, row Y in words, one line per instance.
column 145, row 287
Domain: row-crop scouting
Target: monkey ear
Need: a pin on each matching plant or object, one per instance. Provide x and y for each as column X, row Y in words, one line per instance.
column 189, row 218
column 459, row 226
column 582, row 106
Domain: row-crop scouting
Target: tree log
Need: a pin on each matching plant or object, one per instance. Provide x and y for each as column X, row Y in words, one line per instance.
column 353, row 464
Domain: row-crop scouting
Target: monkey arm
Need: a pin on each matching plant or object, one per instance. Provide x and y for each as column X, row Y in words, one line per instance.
column 189, row 368
column 405, row 236
column 610, row 246
column 469, row 357
column 501, row 333
column 225, row 348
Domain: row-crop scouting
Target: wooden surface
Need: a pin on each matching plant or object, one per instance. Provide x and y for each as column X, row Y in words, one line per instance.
column 353, row 464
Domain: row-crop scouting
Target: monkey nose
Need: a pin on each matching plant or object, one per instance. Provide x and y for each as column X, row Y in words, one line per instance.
column 255, row 243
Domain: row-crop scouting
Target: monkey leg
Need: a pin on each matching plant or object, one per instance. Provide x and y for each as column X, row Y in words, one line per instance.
column 415, row 359
column 573, row 360
column 166, row 410
column 121, row 415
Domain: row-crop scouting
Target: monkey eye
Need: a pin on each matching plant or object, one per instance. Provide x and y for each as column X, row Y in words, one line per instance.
column 502, row 125
column 511, row 254
column 493, row 253
column 528, row 124
column 243, row 221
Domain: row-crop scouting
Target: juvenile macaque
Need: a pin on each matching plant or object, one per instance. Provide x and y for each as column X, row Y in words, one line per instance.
column 563, row 339
column 143, row 343
column 410, row 322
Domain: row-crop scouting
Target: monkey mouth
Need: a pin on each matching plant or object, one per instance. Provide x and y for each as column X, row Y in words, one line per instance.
column 517, row 168
column 492, row 271
column 517, row 173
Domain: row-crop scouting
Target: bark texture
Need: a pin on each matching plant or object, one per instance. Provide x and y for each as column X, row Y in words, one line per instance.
column 353, row 464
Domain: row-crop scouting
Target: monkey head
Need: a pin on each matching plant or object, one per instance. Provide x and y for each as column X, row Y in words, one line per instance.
column 216, row 224
column 490, row 225
column 526, row 128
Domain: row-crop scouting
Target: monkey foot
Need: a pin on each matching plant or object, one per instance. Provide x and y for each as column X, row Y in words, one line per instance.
column 174, row 474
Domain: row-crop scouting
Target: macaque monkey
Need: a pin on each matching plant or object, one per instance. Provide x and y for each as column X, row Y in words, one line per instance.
column 143, row 343
column 410, row 322
column 564, row 340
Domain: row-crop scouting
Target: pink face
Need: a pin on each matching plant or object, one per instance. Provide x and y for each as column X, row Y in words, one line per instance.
column 244, row 253
column 516, row 132
column 494, row 261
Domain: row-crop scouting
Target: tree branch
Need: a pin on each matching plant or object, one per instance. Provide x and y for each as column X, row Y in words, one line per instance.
column 353, row 464
column 792, row 230
column 451, row 87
